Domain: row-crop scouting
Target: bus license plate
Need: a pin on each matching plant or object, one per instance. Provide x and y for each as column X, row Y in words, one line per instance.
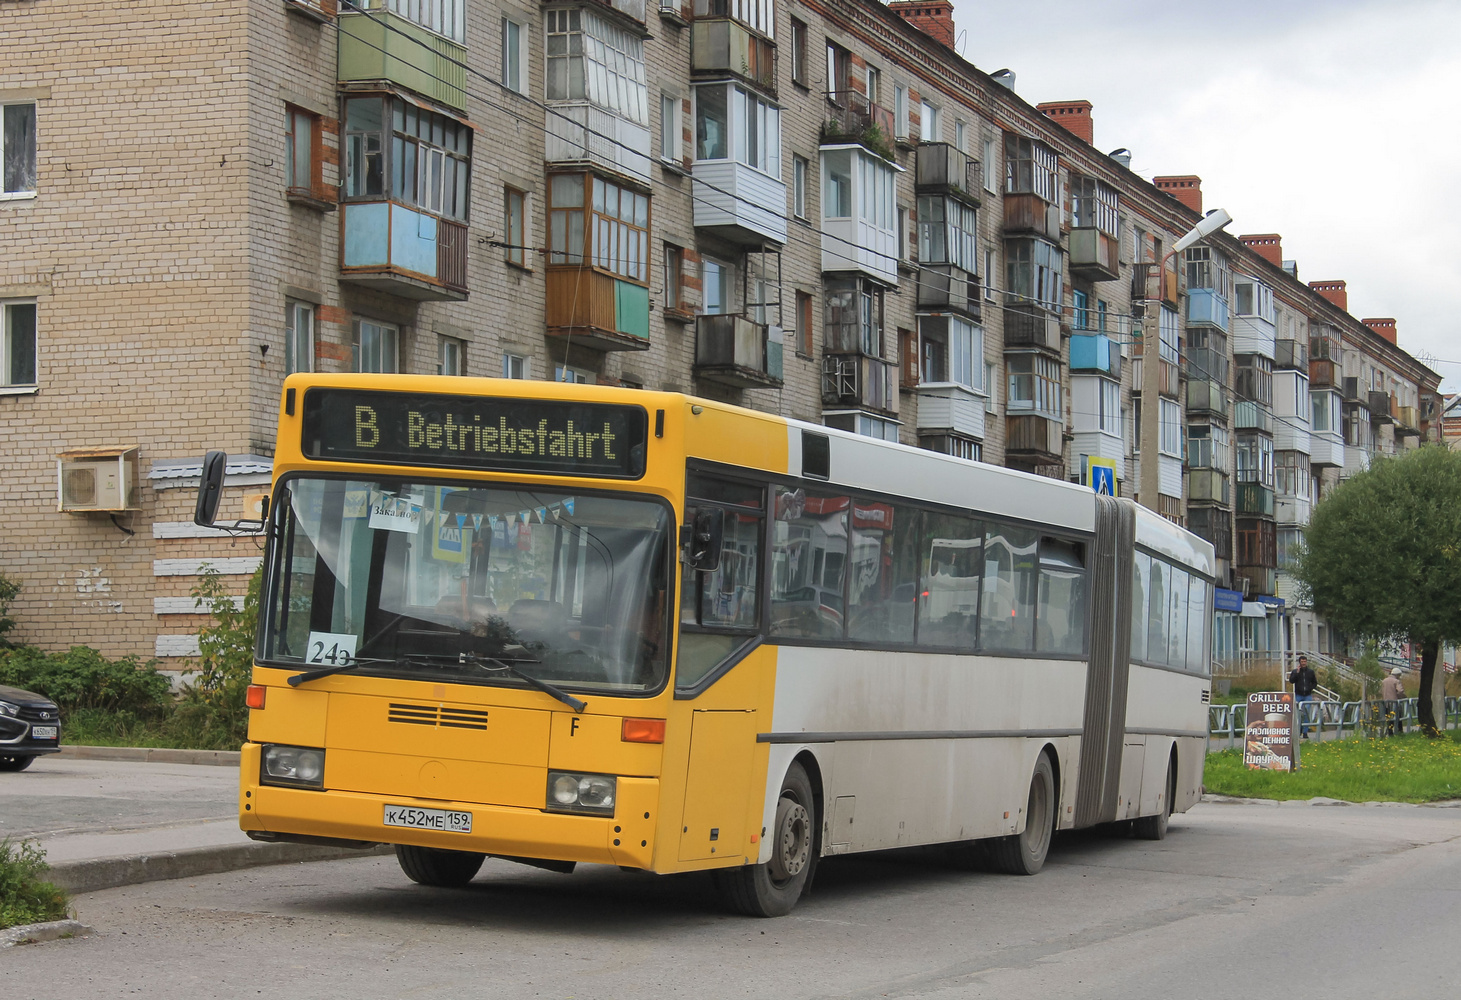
column 445, row 820
column 43, row 732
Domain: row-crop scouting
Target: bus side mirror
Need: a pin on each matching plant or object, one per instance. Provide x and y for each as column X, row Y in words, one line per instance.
column 707, row 534
column 210, row 488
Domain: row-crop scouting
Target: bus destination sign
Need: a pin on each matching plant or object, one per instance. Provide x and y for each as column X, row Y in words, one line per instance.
column 475, row 432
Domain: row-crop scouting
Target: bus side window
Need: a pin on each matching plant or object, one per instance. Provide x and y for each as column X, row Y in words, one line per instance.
column 1177, row 619
column 1141, row 575
column 1199, row 613
column 724, row 602
column 1156, row 623
column 953, row 561
column 1011, row 578
column 809, row 563
column 1060, row 626
column 884, row 572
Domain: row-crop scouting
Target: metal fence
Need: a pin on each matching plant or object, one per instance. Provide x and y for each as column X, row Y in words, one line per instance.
column 1357, row 717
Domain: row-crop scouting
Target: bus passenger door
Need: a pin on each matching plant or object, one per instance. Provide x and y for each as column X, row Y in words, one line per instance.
column 718, row 786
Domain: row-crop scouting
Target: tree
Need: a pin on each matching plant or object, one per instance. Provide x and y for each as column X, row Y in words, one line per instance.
column 1382, row 559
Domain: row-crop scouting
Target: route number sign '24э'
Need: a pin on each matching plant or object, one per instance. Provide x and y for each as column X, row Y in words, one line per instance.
column 1268, row 739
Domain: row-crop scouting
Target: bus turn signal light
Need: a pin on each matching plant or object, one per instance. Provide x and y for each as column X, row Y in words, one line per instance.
column 254, row 696
column 643, row 731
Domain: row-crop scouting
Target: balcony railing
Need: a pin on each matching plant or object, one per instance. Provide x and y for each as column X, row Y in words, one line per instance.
column 723, row 45
column 1251, row 416
column 1381, row 404
column 1095, row 353
column 1256, row 580
column 1322, row 372
column 1206, row 308
column 1206, row 396
column 1352, row 391
column 1290, row 354
column 1028, row 325
column 1029, row 213
column 403, row 251
column 734, row 350
column 1406, row 420
column 1033, row 438
column 851, row 117
column 944, row 287
column 943, row 168
column 1254, row 499
column 1094, row 254
column 381, row 45
column 857, row 380
column 1209, row 485
column 597, row 310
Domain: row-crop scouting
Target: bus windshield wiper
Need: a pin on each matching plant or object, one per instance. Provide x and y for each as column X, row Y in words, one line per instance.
column 493, row 665
column 335, row 668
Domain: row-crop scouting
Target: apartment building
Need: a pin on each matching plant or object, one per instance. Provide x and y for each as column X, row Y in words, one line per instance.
column 814, row 209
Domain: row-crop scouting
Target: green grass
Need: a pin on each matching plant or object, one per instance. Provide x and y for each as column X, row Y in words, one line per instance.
column 177, row 729
column 1409, row 768
column 25, row 896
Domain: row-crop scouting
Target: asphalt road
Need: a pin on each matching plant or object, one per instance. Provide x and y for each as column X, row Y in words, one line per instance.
column 1292, row 901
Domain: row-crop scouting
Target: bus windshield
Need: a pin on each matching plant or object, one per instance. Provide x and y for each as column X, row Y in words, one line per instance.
column 438, row 580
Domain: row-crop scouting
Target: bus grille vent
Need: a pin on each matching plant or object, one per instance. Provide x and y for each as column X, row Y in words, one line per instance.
column 438, row 715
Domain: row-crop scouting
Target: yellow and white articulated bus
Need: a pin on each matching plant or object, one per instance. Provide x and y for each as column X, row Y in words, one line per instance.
column 563, row 623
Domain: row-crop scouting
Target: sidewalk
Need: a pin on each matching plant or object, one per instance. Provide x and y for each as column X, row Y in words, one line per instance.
column 104, row 823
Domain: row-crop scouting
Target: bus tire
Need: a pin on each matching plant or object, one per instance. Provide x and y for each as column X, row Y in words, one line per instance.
column 772, row 889
column 1024, row 853
column 1155, row 827
column 433, row 866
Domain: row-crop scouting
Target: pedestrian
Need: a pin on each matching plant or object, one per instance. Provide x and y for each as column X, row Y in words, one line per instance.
column 1304, row 682
column 1391, row 691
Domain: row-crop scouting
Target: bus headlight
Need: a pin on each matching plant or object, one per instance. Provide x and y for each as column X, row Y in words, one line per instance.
column 581, row 793
column 298, row 767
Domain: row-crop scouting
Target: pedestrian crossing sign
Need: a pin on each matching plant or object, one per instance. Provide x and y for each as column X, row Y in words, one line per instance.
column 1101, row 475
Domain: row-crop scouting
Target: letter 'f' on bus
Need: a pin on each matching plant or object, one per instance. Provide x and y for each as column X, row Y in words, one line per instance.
column 365, row 425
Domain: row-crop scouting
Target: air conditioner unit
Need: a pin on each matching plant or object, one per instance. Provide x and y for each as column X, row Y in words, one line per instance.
column 98, row 479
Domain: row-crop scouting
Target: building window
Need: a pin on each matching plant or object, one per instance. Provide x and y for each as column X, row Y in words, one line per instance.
column 514, row 216
column 576, row 376
column 900, row 111
column 991, row 166
column 733, row 124
column 1255, row 459
column 1034, row 385
column 1170, row 417
column 591, row 59
column 853, row 317
column 951, row 349
column 717, row 284
column 1253, row 379
column 618, row 233
column 859, row 185
column 798, row 52
column 1033, row 272
column 874, row 85
column 1291, row 474
column 674, row 276
column 839, row 62
column 515, row 366
column 302, row 152
column 445, row 17
column 1093, row 205
column 451, row 356
column 757, row 14
column 1029, row 168
column 18, row 150
column 989, row 274
column 805, row 333
column 1108, row 400
column 514, row 56
column 374, row 347
column 864, row 424
column 961, row 136
column 1208, row 446
column 930, row 122
column 299, row 337
column 991, row 405
column 948, row 232
column 1081, row 308
column 17, row 344
column 799, row 186
column 428, row 161
column 669, row 129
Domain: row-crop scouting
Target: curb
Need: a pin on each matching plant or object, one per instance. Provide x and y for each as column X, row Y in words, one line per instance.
column 133, row 869
column 153, row 755
column 51, row 930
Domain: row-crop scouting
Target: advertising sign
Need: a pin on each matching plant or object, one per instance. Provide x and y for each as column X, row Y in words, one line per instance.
column 1268, row 742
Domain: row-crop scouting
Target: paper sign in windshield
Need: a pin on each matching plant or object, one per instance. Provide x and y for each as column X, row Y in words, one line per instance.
column 396, row 513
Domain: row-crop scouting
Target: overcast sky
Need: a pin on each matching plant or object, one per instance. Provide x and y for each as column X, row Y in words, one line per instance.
column 1336, row 124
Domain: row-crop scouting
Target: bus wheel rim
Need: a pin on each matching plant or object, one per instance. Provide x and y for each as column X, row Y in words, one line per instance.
column 793, row 841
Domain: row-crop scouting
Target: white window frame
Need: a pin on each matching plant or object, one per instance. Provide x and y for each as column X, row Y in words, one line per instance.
column 451, row 355
column 387, row 346
column 517, row 366
column 961, row 136
column 607, row 70
column 447, row 18
column 900, row 111
column 1170, row 427
column 799, row 168
column 515, row 230
column 20, row 192
column 991, row 271
column 753, row 129
column 930, row 122
column 1108, row 400
column 299, row 337
column 573, row 376
column 515, row 77
column 990, row 166
column 8, row 337
column 671, row 132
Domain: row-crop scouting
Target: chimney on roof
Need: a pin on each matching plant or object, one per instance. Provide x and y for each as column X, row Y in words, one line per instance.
column 1384, row 327
column 934, row 17
column 1333, row 291
column 1269, row 246
column 1187, row 189
column 1074, row 116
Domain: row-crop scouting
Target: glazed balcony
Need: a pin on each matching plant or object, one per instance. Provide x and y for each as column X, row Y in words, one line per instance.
column 721, row 46
column 403, row 251
column 1208, row 397
column 944, row 287
column 1407, row 421
column 1029, row 213
column 581, row 134
column 943, row 169
column 597, row 309
column 383, row 46
column 1206, row 308
column 950, row 408
column 1251, row 416
column 1326, row 450
column 1095, row 352
column 1290, row 354
column 734, row 350
column 1208, row 485
column 1254, row 499
column 1094, row 255
column 739, row 203
column 1033, row 438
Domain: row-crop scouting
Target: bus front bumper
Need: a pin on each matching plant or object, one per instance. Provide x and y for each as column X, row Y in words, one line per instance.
column 625, row 839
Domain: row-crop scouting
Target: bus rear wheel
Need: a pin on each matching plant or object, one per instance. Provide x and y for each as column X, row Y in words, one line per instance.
column 1024, row 853
column 1155, row 827
column 772, row 889
column 433, row 866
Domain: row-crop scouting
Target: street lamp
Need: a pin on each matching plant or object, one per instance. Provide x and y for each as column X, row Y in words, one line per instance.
column 1151, row 360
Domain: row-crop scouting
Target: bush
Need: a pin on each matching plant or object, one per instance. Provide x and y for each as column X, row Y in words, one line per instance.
column 214, row 702
column 25, row 898
column 8, row 590
column 84, row 679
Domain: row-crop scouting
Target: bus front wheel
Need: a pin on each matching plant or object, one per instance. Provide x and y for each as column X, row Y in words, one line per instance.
column 772, row 889
column 1024, row 853
column 433, row 866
